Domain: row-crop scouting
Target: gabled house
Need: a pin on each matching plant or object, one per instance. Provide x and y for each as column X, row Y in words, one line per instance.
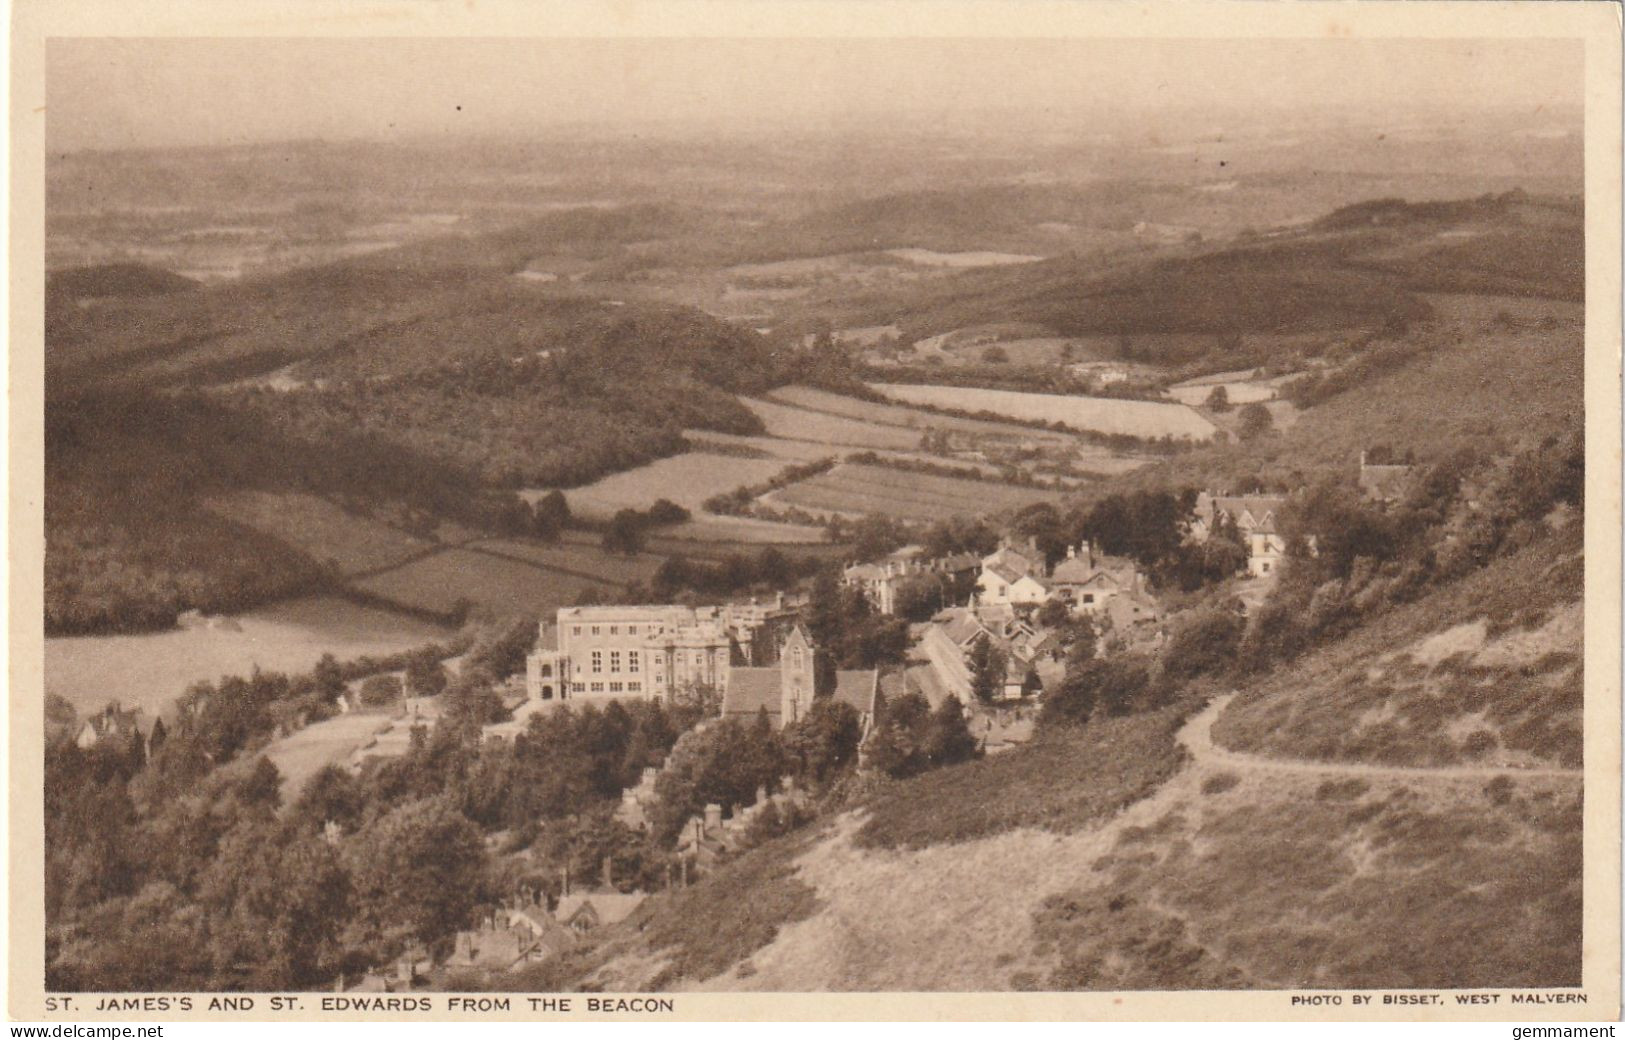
column 1255, row 521
column 111, row 723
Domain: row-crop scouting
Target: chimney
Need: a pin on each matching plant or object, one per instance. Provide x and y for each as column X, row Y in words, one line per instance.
column 761, row 794
column 1362, row 458
column 713, row 816
column 564, row 880
column 609, row 874
column 1071, row 552
column 404, row 972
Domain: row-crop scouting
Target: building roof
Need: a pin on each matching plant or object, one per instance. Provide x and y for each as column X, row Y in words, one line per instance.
column 864, row 572
column 611, row 907
column 114, row 721
column 1259, row 506
column 959, row 562
column 749, row 690
column 1004, row 572
column 857, row 687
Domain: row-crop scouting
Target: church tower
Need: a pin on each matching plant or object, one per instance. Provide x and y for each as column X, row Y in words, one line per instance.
column 795, row 676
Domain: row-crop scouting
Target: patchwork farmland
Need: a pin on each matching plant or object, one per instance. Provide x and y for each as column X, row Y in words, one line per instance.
column 1099, row 414
column 853, row 489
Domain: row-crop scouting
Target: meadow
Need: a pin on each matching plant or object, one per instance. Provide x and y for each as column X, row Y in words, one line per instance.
column 855, row 489
column 1099, row 414
column 440, row 583
column 320, row 529
column 822, row 401
column 152, row 669
column 795, row 423
column 687, row 479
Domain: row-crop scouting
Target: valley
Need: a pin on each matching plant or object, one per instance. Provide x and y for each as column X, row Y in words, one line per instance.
column 1177, row 538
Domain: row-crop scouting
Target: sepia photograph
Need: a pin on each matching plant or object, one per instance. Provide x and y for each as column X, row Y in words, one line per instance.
column 681, row 514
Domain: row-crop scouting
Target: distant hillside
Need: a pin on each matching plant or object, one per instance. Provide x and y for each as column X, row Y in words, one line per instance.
column 1363, row 266
column 111, row 280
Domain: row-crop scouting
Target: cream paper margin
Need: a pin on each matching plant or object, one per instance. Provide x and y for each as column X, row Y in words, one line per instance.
column 1596, row 23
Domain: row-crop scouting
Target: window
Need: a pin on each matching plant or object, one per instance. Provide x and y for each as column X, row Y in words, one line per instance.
column 614, row 660
column 631, row 630
column 634, row 687
column 597, row 687
column 547, row 671
column 575, row 630
column 616, row 687
column 614, row 630
column 1088, row 597
column 797, row 657
column 632, row 660
column 597, row 661
column 595, row 630
column 578, row 687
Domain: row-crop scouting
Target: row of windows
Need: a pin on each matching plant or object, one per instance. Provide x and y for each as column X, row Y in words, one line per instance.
column 614, row 630
column 614, row 687
column 633, row 661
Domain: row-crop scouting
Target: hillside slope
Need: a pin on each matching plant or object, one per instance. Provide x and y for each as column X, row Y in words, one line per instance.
column 1240, row 869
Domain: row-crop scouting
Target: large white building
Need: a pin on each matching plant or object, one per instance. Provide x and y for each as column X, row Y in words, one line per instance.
column 639, row 652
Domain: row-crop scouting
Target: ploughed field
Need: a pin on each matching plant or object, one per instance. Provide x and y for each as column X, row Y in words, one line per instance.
column 854, row 489
column 1098, row 414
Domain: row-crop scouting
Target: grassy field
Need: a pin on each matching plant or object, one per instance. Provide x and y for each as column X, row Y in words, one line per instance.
column 910, row 418
column 1488, row 671
column 586, row 560
column 802, row 424
column 440, row 582
column 151, row 670
column 1101, row 414
column 300, row 755
column 687, row 479
column 320, row 529
column 856, row 489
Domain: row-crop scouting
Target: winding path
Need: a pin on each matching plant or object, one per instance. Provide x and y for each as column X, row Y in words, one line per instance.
column 1197, row 738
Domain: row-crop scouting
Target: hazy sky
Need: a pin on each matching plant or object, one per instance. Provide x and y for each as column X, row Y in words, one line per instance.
column 116, row 93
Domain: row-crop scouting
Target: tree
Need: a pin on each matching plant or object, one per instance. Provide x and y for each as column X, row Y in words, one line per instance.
column 948, row 737
column 329, row 677
column 1206, row 642
column 987, row 668
column 417, row 872
column 425, row 675
column 380, row 690
column 666, row 512
column 897, row 745
column 624, row 534
column 1255, row 421
column 1053, row 614
column 331, row 794
column 1218, row 400
column 825, row 740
